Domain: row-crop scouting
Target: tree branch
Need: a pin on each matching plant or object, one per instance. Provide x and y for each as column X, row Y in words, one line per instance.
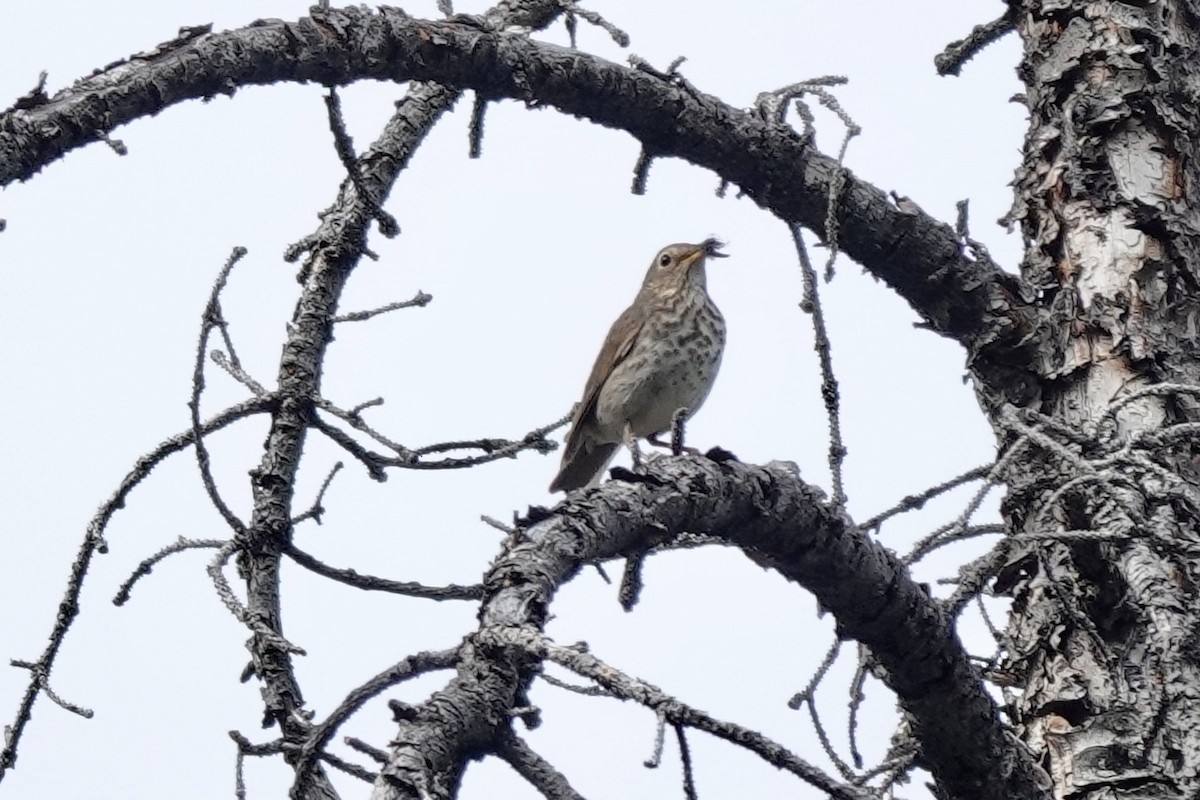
column 973, row 302
column 540, row 773
column 93, row 543
column 334, row 249
column 780, row 522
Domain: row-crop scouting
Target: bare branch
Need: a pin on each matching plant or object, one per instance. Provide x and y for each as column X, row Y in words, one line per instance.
column 586, row 691
column 316, row 510
column 540, row 773
column 919, row 257
column 631, row 581
column 42, row 678
column 241, row 613
column 406, row 669
column 344, row 146
column 575, row 10
column 419, row 300
column 804, row 695
column 371, row 583
column 475, row 128
column 780, row 522
column 376, row 463
column 147, row 565
column 685, row 756
column 951, row 60
column 672, row 710
column 830, row 396
column 373, row 753
column 342, row 765
column 917, row 501
column 93, row 542
column 660, row 732
column 212, row 318
column 235, row 369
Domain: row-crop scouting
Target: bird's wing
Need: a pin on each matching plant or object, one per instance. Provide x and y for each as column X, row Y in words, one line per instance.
column 617, row 344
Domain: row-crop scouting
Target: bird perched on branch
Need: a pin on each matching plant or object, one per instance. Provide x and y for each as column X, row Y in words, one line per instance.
column 660, row 357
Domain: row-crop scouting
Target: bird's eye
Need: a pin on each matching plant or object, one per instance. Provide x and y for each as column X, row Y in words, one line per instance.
column 664, row 260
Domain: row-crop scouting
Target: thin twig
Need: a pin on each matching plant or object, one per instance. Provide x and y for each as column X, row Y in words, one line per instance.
column 914, row 502
column 951, row 60
column 830, row 396
column 676, row 712
column 823, row 737
column 354, row 770
column 147, row 565
column 575, row 10
column 42, row 678
column 419, row 300
column 317, row 509
column 805, row 694
column 587, row 691
column 371, row 752
column 475, row 128
column 631, row 581
column 93, row 542
column 857, row 696
column 660, row 737
column 539, row 772
column 212, row 317
column 371, row 583
column 216, row 573
column 344, row 145
column 406, row 669
column 685, row 756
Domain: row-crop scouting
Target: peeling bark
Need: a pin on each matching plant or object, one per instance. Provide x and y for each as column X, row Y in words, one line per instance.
column 1102, row 640
column 1103, row 633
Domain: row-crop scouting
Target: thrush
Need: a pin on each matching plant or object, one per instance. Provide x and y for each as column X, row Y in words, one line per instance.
column 660, row 357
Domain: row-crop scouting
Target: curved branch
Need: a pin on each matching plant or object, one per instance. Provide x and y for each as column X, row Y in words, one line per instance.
column 539, row 772
column 973, row 302
column 94, row 542
column 780, row 522
column 333, row 251
column 372, row 583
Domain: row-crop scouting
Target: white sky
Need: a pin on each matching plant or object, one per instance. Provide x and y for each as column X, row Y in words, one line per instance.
column 529, row 253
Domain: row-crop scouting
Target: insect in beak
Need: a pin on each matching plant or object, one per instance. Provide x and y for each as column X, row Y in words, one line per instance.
column 712, row 248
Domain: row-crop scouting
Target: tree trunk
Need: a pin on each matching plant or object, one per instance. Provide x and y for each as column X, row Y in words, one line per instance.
column 1101, row 637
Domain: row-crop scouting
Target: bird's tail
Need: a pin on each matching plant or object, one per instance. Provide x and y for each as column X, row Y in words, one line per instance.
column 583, row 466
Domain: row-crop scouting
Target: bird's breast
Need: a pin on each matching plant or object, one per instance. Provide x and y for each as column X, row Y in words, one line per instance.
column 671, row 365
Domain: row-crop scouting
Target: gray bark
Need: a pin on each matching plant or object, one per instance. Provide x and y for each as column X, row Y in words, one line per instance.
column 1086, row 364
column 1103, row 632
column 780, row 522
column 974, row 302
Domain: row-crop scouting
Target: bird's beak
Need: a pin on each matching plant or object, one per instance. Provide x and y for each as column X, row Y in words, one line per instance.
column 694, row 257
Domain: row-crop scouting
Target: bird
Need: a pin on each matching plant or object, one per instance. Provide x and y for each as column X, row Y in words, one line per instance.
column 660, row 358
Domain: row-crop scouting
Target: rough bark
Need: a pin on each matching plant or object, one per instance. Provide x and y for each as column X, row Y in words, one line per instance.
column 334, row 250
column 1103, row 634
column 1102, row 641
column 972, row 301
column 779, row 521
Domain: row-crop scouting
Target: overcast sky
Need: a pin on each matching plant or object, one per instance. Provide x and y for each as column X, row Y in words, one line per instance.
column 529, row 253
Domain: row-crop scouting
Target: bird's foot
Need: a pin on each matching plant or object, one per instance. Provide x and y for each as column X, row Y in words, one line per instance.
column 657, row 442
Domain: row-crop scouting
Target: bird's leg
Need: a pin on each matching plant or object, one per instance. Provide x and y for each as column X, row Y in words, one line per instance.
column 631, row 442
column 677, row 421
column 676, row 443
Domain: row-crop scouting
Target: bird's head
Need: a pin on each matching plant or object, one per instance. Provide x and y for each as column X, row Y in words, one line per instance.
column 681, row 265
